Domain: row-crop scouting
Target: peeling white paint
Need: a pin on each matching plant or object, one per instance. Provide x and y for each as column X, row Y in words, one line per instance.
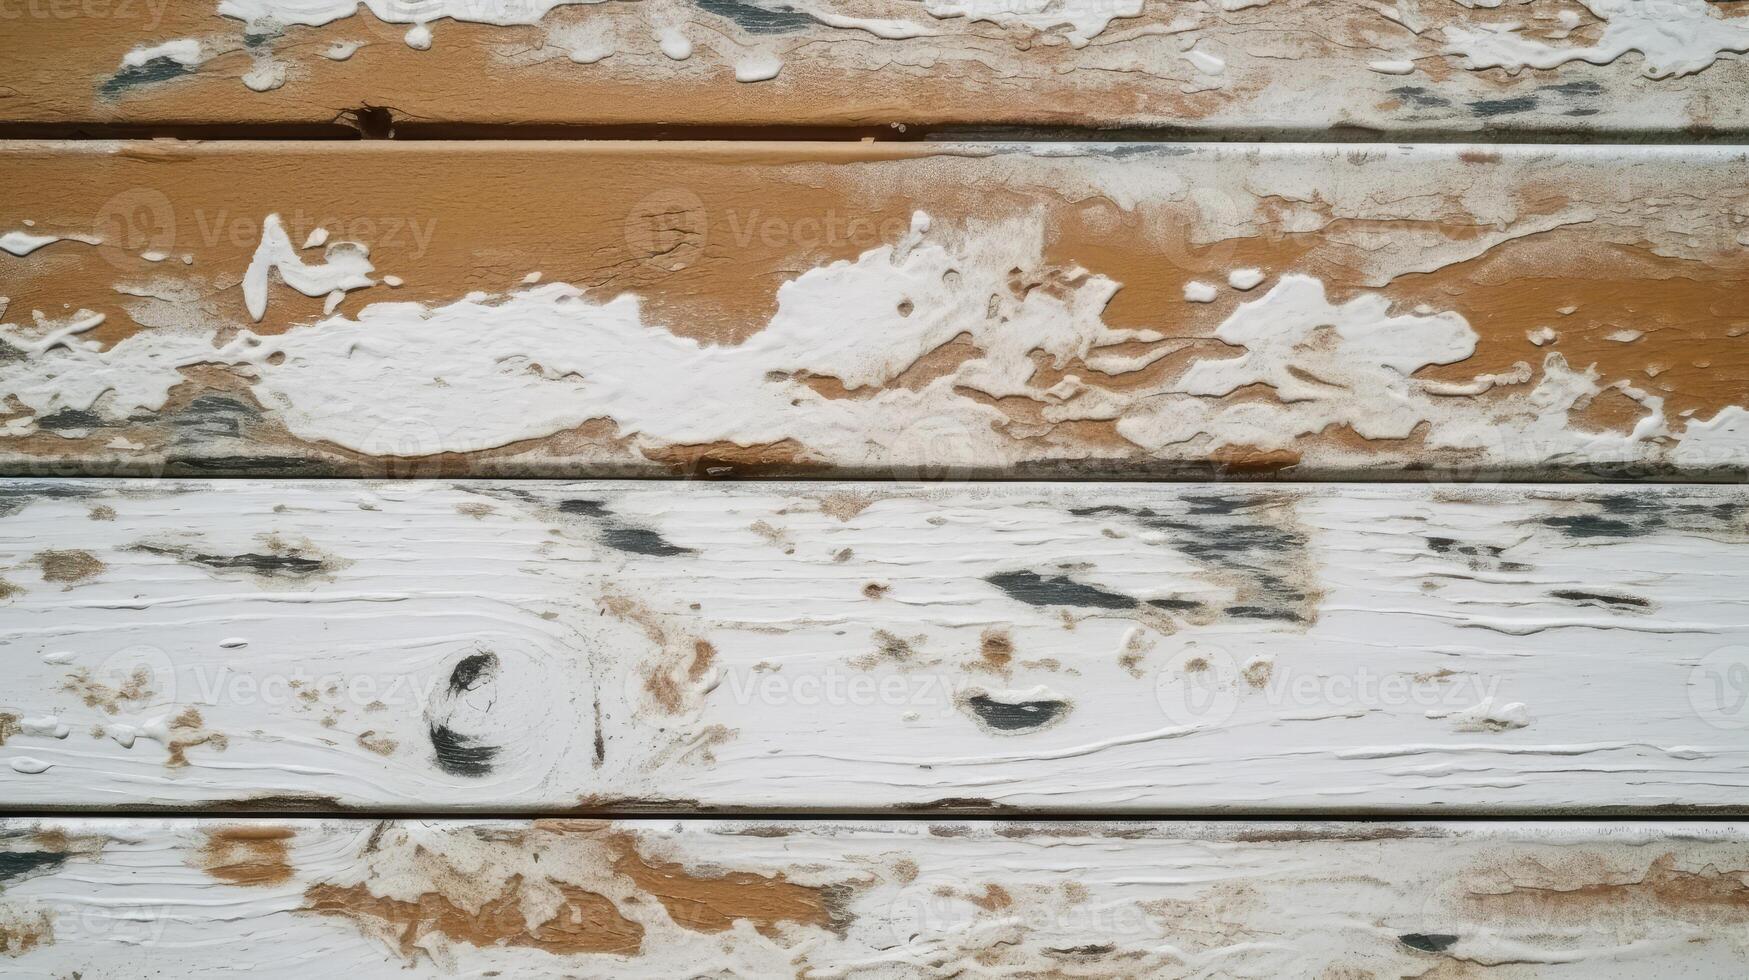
column 1676, row 37
column 346, row 266
column 1587, row 612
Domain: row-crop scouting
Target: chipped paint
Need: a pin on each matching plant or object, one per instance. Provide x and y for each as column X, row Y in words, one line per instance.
column 1077, row 645
column 667, row 898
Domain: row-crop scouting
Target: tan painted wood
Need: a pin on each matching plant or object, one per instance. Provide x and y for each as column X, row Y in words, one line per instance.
column 653, row 899
column 873, row 310
column 478, row 647
column 1212, row 66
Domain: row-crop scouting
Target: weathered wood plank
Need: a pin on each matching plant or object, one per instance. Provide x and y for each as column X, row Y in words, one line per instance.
column 1092, row 648
column 1249, row 66
column 102, row 898
column 876, row 311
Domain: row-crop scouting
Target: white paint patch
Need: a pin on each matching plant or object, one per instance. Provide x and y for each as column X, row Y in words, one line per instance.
column 29, row 766
column 758, row 68
column 20, row 243
column 342, row 50
column 1245, row 279
column 1397, row 67
column 266, row 75
column 1542, row 336
column 1199, row 292
column 1676, row 37
column 183, row 51
column 1625, row 336
column 317, row 238
column 674, row 43
column 1086, row 19
column 346, row 267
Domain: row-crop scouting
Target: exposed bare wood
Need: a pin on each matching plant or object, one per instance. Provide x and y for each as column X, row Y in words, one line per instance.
column 1214, row 66
column 713, row 898
column 880, row 311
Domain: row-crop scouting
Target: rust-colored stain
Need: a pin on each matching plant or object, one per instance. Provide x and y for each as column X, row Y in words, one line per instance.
column 248, row 855
column 713, row 903
column 188, row 730
column 102, row 512
column 704, row 653
column 22, row 931
column 996, row 648
column 370, row 741
column 1538, row 891
column 585, row 922
column 135, row 689
column 844, row 505
column 875, row 590
column 68, row 566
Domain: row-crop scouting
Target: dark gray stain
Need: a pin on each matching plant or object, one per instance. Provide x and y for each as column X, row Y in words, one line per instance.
column 1590, row 598
column 1058, row 590
column 1427, row 942
column 18, row 865
column 1479, row 557
column 1016, row 716
column 245, row 465
column 1503, row 107
column 472, row 671
column 758, row 18
column 133, row 76
column 213, row 417
column 257, row 39
column 1574, row 88
column 461, row 755
column 16, row 496
column 290, row 566
column 1006, row 716
column 68, row 419
column 457, row 753
column 10, row 352
column 1101, row 949
column 591, row 508
column 621, row 536
column 1421, row 97
column 1633, row 515
column 1236, row 535
column 642, row 541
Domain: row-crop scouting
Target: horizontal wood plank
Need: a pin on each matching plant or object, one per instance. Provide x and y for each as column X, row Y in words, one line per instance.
column 601, row 309
column 607, row 647
column 1246, row 66
column 100, row 898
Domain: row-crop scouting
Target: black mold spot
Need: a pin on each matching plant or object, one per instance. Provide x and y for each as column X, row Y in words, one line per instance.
column 272, row 565
column 213, row 417
column 624, row 537
column 1637, row 515
column 1427, row 942
column 461, row 755
column 642, row 541
column 15, row 497
column 18, row 865
column 1575, row 88
column 1089, row 950
column 1016, row 716
column 1572, row 595
column 1422, row 98
column 1503, row 107
column 1587, row 526
column 1479, row 557
column 456, row 753
column 157, row 70
column 69, row 418
column 756, row 19
column 10, row 353
column 471, row 671
column 1058, row 590
column 246, row 465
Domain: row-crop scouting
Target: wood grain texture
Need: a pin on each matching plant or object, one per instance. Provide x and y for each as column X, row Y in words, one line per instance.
column 1070, row 648
column 105, row 898
column 1412, row 67
column 993, row 310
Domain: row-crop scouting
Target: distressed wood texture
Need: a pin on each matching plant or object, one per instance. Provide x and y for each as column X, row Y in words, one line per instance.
column 1214, row 66
column 1059, row 648
column 873, row 311
column 1589, row 901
